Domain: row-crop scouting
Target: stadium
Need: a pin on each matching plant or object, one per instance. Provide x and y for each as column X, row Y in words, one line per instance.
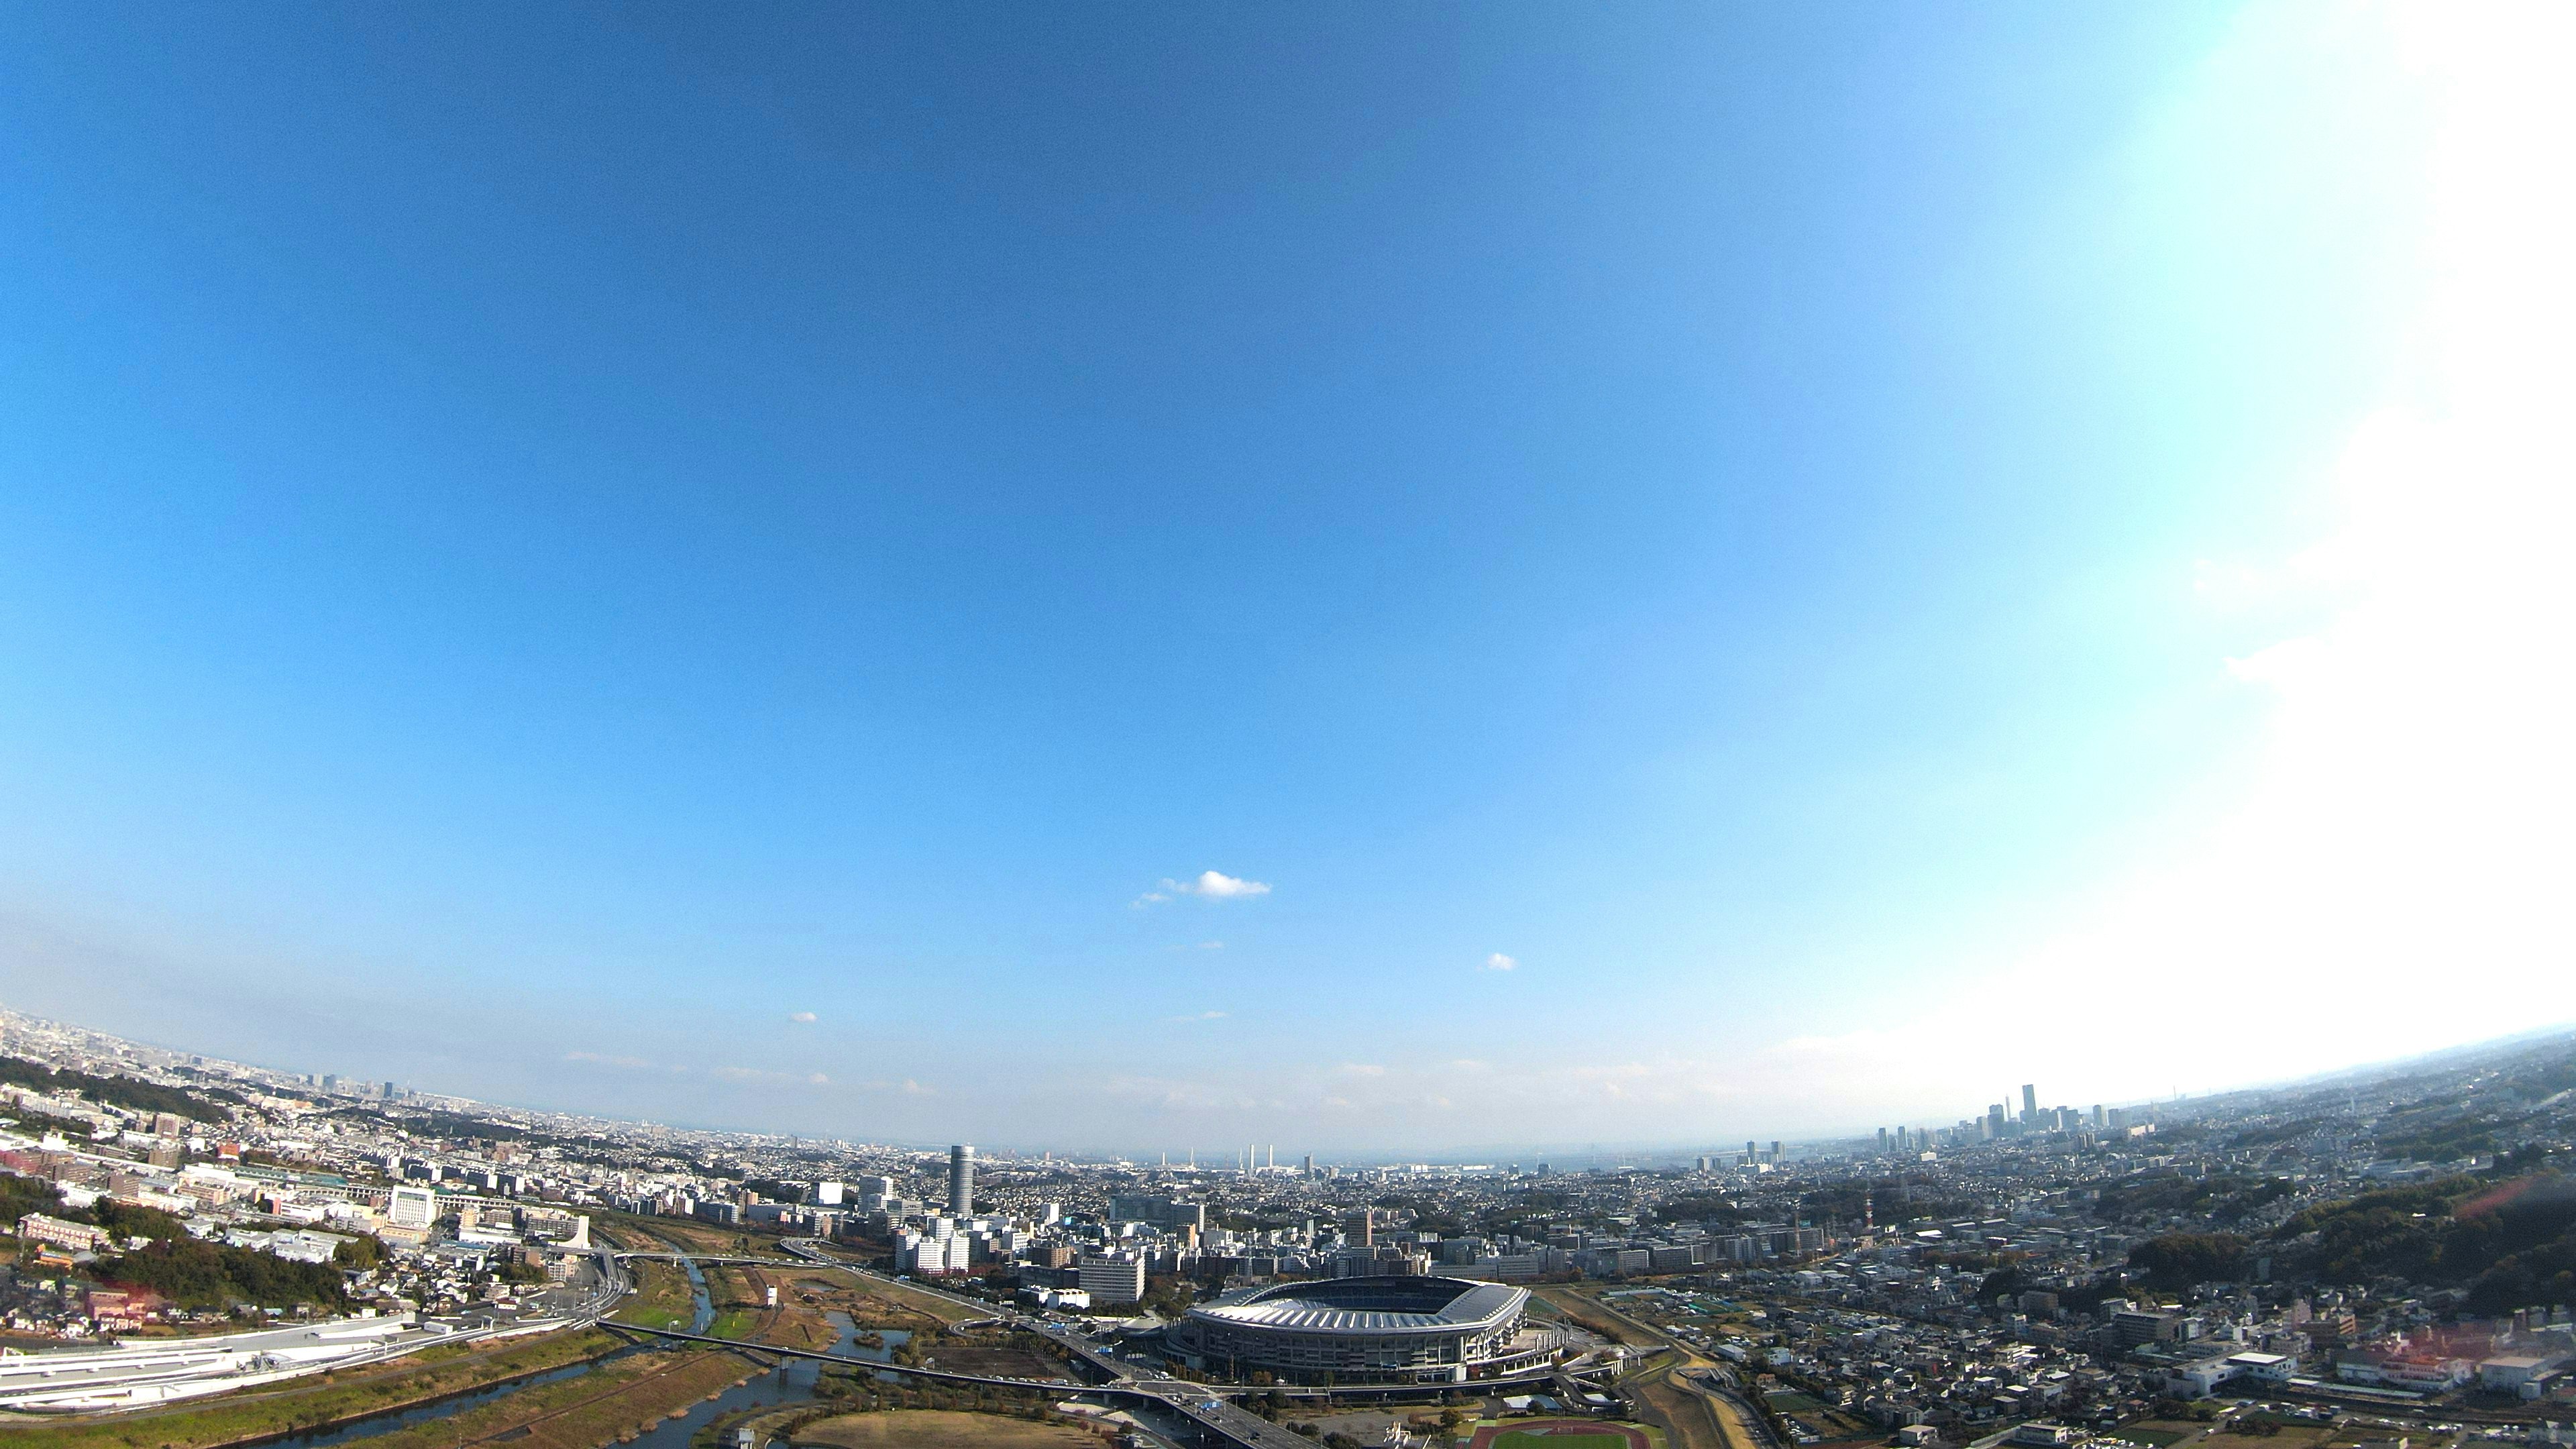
column 1382, row 1330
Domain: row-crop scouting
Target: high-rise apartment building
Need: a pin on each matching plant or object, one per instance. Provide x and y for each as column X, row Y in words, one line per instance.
column 2030, row 1104
column 961, row 1181
column 411, row 1207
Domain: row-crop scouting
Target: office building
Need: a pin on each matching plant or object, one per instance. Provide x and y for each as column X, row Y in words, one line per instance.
column 1111, row 1277
column 961, row 1181
column 1162, row 1212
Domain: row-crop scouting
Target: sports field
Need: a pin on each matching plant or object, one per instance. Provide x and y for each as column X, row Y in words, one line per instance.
column 1560, row 1434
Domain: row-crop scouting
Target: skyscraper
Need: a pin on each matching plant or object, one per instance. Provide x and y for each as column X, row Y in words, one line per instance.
column 2029, row 1104
column 961, row 1181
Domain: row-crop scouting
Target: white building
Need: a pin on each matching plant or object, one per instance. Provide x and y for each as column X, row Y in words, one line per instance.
column 412, row 1207
column 932, row 1254
column 1111, row 1277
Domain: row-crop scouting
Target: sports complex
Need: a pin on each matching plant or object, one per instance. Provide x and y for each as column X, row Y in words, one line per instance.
column 1381, row 1330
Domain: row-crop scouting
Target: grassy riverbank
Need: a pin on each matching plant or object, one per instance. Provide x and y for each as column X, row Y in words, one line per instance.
column 313, row 1403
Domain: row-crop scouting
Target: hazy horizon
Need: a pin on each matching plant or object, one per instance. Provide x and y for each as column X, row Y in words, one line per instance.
column 1361, row 576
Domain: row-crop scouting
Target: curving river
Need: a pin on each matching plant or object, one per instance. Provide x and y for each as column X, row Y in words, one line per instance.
column 791, row 1382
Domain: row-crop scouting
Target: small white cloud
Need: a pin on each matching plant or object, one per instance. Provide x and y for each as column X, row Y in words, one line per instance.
column 819, row 1080
column 1499, row 962
column 1211, row 945
column 1363, row 1069
column 1149, row 898
column 802, row 1017
column 1215, row 885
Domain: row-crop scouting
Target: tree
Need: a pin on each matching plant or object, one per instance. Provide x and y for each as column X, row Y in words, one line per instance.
column 2178, row 1260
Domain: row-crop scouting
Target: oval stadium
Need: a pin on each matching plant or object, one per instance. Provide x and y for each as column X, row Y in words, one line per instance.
column 1386, row 1330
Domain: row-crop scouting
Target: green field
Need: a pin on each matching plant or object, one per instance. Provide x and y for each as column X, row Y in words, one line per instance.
column 1519, row 1440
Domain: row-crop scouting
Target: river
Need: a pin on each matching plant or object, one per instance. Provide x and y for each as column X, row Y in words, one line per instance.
column 791, row 1382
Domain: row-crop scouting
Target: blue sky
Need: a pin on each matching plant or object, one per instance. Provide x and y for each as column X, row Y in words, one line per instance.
column 710, row 565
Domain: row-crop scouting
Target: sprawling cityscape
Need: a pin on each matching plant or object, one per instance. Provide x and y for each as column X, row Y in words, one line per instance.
column 1518, row 725
column 2387, row 1254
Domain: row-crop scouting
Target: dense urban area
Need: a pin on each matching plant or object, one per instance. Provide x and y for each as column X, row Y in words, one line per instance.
column 207, row 1253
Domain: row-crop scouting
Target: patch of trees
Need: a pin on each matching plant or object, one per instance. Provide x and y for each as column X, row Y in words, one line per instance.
column 428, row 1122
column 20, row 1196
column 39, row 1123
column 2225, row 1198
column 2448, row 1142
column 194, row 1274
column 2178, row 1260
column 1711, row 1207
column 2290, row 1131
column 1168, row 1296
column 131, row 1093
column 133, row 1222
column 2511, row 1245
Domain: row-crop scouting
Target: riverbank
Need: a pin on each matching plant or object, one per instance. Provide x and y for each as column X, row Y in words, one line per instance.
column 327, row 1402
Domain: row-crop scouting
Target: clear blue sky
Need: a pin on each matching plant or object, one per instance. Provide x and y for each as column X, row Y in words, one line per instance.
column 540, row 546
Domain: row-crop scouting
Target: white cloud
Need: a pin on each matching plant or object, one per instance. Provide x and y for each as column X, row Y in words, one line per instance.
column 1199, row 1016
column 804, row 1017
column 1363, row 1069
column 1214, row 885
column 1211, row 945
column 1499, row 962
